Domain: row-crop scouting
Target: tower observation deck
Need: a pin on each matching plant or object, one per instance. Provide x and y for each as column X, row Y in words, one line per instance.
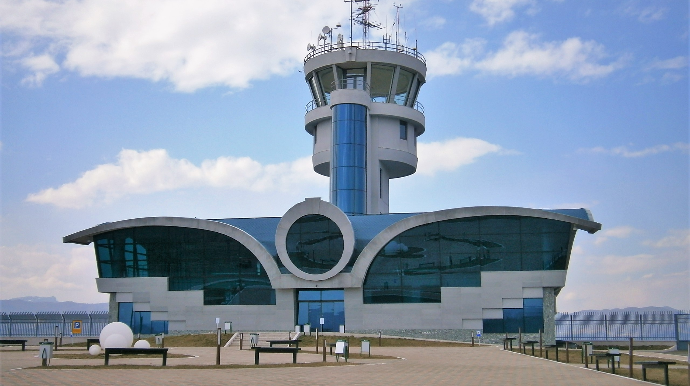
column 365, row 119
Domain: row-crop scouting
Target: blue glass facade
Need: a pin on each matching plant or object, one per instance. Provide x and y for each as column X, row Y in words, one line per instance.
column 528, row 319
column 414, row 266
column 191, row 259
column 140, row 321
column 312, row 305
column 349, row 162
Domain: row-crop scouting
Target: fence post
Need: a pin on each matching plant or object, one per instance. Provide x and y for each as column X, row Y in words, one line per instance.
column 10, row 317
column 36, row 316
column 606, row 327
column 571, row 328
column 90, row 325
column 641, row 328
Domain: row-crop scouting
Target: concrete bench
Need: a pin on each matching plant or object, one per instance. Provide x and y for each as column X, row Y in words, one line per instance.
column 508, row 341
column 655, row 365
column 291, row 350
column 21, row 342
column 136, row 351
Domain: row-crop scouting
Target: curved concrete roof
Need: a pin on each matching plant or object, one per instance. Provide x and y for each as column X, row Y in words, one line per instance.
column 85, row 237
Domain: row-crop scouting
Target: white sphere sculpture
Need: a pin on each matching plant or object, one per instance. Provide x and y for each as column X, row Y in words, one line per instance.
column 116, row 341
column 142, row 344
column 117, row 328
column 94, row 349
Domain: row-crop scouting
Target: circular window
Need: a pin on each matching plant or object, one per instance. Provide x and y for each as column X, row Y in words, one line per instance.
column 315, row 240
column 314, row 244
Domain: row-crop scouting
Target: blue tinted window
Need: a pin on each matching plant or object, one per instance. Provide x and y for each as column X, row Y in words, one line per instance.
column 453, row 253
column 403, row 130
column 314, row 244
column 534, row 315
column 348, row 164
column 192, row 259
column 513, row 320
column 493, row 326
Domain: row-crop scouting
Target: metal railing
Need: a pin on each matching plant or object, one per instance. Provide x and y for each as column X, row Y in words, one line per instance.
column 384, row 46
column 44, row 323
column 611, row 326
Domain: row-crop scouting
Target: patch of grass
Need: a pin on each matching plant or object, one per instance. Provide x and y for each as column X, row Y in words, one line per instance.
column 204, row 367
column 310, row 341
column 102, row 356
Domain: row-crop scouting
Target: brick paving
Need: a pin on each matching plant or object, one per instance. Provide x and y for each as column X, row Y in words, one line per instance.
column 420, row 366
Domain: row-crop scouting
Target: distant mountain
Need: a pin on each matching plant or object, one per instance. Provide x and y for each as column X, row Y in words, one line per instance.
column 47, row 304
column 636, row 309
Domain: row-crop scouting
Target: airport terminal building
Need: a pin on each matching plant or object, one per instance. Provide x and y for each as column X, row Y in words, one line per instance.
column 347, row 262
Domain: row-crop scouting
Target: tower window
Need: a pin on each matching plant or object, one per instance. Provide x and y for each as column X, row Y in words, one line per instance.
column 403, row 130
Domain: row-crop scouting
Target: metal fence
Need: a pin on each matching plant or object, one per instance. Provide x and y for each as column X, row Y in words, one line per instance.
column 45, row 323
column 610, row 326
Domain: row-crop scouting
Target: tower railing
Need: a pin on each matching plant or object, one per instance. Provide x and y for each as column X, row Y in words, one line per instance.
column 385, row 46
column 312, row 104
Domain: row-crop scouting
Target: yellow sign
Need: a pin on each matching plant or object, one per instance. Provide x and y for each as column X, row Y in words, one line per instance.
column 76, row 327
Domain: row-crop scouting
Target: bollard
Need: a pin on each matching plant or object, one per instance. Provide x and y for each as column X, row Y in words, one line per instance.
column 630, row 358
column 379, row 338
column 567, row 352
column 317, row 341
column 324, row 349
column 584, row 352
column 241, row 338
column 519, row 339
column 541, row 354
column 218, row 348
column 472, row 339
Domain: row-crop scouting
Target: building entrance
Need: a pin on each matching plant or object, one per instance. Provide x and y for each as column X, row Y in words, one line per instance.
column 312, row 305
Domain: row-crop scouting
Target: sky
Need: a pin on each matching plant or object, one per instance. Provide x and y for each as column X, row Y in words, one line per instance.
column 113, row 110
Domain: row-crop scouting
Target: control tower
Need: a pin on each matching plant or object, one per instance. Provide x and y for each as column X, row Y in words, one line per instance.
column 364, row 117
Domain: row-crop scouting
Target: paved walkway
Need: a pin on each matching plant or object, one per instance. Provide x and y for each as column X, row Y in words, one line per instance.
column 432, row 366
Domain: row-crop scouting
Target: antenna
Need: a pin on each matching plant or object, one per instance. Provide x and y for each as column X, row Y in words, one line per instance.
column 397, row 22
column 311, row 47
column 326, row 30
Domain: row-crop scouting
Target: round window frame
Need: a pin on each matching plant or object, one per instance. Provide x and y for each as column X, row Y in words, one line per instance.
column 328, row 210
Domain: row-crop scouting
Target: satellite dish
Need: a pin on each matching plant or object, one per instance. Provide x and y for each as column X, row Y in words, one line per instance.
column 322, row 37
column 326, row 30
column 337, row 25
column 311, row 47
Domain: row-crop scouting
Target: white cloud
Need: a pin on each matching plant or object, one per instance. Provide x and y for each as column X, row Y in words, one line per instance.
column 40, row 66
column 676, row 63
column 523, row 53
column 645, row 15
column 623, row 151
column 68, row 273
column 434, row 22
column 188, row 43
column 497, row 11
column 144, row 172
column 450, row 155
column 677, row 238
column 621, row 232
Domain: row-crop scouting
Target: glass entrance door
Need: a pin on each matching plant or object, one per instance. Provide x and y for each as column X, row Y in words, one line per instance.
column 312, row 305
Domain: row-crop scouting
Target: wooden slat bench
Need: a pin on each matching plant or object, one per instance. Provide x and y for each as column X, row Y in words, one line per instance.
column 135, row 351
column 21, row 342
column 655, row 365
column 289, row 342
column 292, row 350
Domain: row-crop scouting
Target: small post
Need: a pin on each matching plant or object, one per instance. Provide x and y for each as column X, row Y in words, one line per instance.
column 541, row 354
column 519, row 339
column 241, row 339
column 317, row 341
column 56, row 338
column 324, row 349
column 584, row 352
column 162, row 340
column 567, row 352
column 61, row 339
column 379, row 338
column 218, row 347
column 472, row 338
column 630, row 357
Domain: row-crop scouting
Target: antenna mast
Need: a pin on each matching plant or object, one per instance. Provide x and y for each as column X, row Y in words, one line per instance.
column 397, row 23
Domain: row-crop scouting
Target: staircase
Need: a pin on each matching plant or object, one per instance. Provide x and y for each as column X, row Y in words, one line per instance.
column 264, row 337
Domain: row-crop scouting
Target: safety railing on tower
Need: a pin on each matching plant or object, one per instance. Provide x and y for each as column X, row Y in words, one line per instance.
column 385, row 46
